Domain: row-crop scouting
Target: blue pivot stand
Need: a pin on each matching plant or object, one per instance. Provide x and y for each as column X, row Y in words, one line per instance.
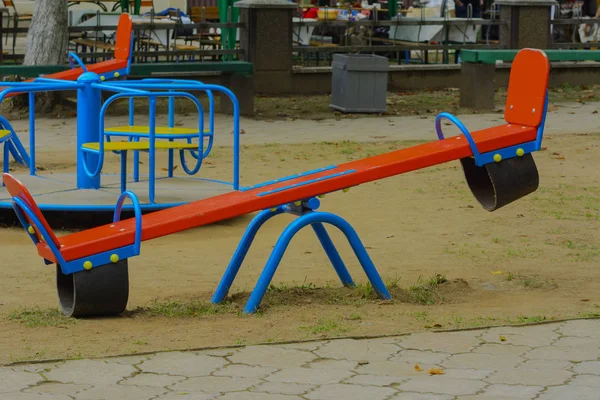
column 307, row 215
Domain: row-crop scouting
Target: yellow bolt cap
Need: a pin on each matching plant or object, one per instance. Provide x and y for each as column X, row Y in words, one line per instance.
column 321, row 196
column 346, row 190
column 116, row 74
column 102, row 78
column 497, row 157
column 273, row 209
column 31, row 230
column 114, row 258
column 87, row 265
column 520, row 152
column 297, row 203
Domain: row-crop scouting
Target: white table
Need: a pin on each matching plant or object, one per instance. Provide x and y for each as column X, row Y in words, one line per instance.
column 160, row 30
column 427, row 33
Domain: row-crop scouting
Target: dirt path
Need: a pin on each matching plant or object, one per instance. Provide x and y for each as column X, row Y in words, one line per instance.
column 535, row 259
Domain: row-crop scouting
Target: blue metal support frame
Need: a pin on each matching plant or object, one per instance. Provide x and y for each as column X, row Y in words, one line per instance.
column 306, row 216
column 498, row 155
column 28, row 218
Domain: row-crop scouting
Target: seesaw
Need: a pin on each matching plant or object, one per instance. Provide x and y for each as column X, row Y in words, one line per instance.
column 92, row 265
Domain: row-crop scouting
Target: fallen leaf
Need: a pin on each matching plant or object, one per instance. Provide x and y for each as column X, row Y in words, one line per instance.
column 502, row 338
column 363, row 362
column 418, row 368
column 499, row 272
column 436, row 371
column 584, row 300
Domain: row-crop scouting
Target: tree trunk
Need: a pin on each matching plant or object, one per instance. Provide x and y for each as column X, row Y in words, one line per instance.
column 47, row 42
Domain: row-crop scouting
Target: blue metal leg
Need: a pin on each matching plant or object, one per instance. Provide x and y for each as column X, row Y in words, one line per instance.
column 6, row 158
column 308, row 219
column 123, row 171
column 333, row 254
column 170, row 168
column 240, row 253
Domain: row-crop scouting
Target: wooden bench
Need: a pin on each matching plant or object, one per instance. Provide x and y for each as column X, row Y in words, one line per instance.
column 210, row 14
column 478, row 69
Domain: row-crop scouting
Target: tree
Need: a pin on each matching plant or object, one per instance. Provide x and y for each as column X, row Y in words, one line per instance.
column 47, row 41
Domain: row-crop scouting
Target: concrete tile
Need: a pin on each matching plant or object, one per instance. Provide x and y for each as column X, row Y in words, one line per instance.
column 91, row 372
column 128, row 360
column 579, row 342
column 569, row 392
column 372, row 380
column 283, row 388
column 503, row 349
column 120, row 392
column 257, row 396
column 356, row 350
column 482, row 361
column 340, row 391
column 581, row 328
column 306, row 346
column 244, row 371
column 532, row 336
column 11, row 381
column 512, row 391
column 547, row 364
column 188, row 396
column 214, row 384
column 34, row 396
column 421, row 396
column 533, row 377
column 183, row 364
column 272, row 356
column 452, row 342
column 587, row 367
column 152, row 380
column 466, row 373
column 332, row 364
column 586, row 380
column 563, row 353
column 310, row 376
column 388, row 368
column 441, row 384
column 55, row 388
column 420, row 357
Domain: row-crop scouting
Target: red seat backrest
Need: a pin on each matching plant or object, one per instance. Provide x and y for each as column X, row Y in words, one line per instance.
column 16, row 189
column 527, row 88
column 123, row 41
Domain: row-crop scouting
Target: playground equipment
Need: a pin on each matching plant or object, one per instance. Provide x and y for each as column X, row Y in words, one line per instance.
column 81, row 193
column 92, row 265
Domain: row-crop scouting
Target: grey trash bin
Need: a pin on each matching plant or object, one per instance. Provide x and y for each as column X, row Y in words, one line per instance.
column 359, row 83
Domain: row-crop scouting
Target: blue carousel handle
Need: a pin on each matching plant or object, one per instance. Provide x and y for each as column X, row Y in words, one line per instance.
column 72, row 56
column 138, row 216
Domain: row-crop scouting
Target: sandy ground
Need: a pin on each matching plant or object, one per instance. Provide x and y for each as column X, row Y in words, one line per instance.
column 532, row 260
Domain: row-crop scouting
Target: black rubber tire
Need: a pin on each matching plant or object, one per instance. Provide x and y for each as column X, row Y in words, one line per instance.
column 500, row 183
column 101, row 291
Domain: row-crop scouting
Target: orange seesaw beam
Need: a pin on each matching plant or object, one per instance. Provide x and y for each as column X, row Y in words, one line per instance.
column 230, row 205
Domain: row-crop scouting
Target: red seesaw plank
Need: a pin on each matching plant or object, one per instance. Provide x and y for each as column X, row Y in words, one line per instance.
column 230, row 205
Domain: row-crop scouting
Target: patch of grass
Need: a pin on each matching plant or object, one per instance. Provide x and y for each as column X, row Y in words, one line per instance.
column 422, row 316
column 325, row 326
column 354, row 317
column 183, row 309
column 581, row 251
column 365, row 290
column 423, row 292
column 36, row 317
column 531, row 282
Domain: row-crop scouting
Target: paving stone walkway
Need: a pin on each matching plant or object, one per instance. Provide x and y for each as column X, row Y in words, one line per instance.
column 552, row 361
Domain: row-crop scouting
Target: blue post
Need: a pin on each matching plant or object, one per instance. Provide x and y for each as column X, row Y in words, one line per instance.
column 171, row 125
column 240, row 253
column 88, row 129
column 284, row 240
column 333, row 254
column 32, row 166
